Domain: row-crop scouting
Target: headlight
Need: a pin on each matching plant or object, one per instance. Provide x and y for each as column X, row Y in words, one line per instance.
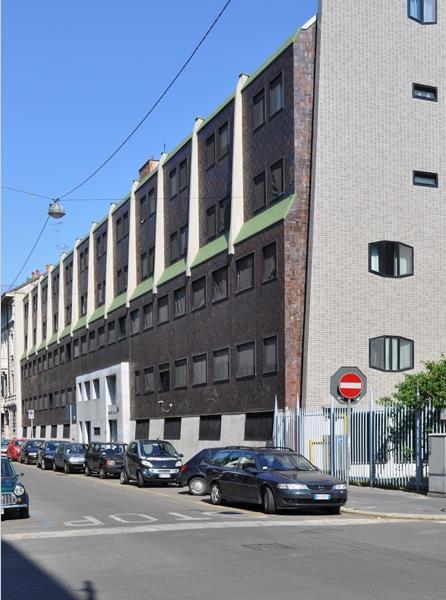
column 178, row 463
column 292, row 486
column 110, row 462
column 71, row 459
column 340, row 486
column 146, row 463
column 19, row 490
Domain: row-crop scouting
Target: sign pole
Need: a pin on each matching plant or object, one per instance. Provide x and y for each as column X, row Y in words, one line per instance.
column 347, row 474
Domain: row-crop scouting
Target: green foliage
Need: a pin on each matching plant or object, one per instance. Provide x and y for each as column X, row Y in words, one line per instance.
column 421, row 389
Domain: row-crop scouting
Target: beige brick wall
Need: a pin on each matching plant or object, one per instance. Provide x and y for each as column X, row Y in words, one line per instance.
column 370, row 135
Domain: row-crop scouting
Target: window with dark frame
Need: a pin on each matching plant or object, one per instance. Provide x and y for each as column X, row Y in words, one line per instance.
column 147, row 312
column 210, row 428
column 174, row 247
column 84, row 345
column 224, row 214
column 183, row 240
column 134, row 321
column 199, row 293
column 425, row 179
column 275, row 95
column 269, row 262
column 223, row 140
column 137, row 382
column 425, row 92
column 101, row 336
column 180, row 373
column 122, row 326
column 163, row 309
column 118, row 229
column 209, row 158
column 164, row 377
column 173, row 183
column 92, row 341
column 182, row 177
column 391, row 353
column 75, row 350
column 143, row 208
column 142, row 429
column 390, row 259
column 258, row 110
column 179, row 302
column 245, row 355
column 277, row 185
column 270, row 355
column 211, row 222
column 245, row 273
column 423, row 11
column 144, row 262
column 221, row 364
column 259, row 426
column 111, row 332
column 199, row 369
column 151, row 198
column 151, row 260
column 259, row 191
column 149, row 380
column 172, row 428
column 125, row 224
column 220, row 284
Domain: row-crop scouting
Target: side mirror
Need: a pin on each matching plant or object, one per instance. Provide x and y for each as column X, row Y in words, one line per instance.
column 250, row 469
column 181, row 455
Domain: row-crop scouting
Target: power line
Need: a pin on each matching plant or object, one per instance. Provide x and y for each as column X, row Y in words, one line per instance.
column 31, row 251
column 154, row 105
column 5, row 187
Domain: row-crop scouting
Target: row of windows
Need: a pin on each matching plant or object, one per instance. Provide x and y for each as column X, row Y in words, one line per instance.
column 43, row 428
column 275, row 183
column 176, row 375
column 57, row 399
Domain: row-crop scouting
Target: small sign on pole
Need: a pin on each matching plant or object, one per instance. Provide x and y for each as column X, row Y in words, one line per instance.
column 30, row 415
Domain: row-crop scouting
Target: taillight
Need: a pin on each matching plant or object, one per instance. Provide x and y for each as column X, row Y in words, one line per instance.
column 183, row 468
column 106, row 461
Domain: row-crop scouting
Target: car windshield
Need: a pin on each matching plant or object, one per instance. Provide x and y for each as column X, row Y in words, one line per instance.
column 75, row 449
column 4, row 443
column 51, row 445
column 7, row 469
column 286, row 461
column 113, row 449
column 154, row 449
column 32, row 444
column 19, row 442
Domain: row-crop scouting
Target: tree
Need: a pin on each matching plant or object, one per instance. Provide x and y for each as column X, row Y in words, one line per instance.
column 421, row 389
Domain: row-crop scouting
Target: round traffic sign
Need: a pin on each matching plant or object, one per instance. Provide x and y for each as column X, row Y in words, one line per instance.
column 350, row 385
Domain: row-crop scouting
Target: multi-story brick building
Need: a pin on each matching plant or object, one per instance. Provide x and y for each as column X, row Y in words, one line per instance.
column 275, row 244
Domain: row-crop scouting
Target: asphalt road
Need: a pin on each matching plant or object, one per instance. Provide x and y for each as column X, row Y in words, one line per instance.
column 92, row 539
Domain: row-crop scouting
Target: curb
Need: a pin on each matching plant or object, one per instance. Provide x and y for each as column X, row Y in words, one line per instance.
column 406, row 516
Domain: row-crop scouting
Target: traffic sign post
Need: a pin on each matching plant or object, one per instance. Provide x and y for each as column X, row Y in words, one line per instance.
column 31, row 418
column 348, row 385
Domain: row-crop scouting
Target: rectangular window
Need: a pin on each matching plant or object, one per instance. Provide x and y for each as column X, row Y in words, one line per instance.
column 163, row 309
column 199, row 293
column 210, row 427
column 134, row 321
column 142, row 429
column 179, row 302
column 259, row 426
column 83, row 304
column 180, row 373
column 143, row 209
column 75, row 351
column 92, row 341
column 101, row 336
column 423, row 11
column 149, row 380
column 199, row 370
column 270, row 354
column 144, row 262
column 220, row 284
column 121, row 279
column 210, row 151
column 54, row 431
column 174, row 247
column 67, row 314
column 100, row 294
column 275, row 95
column 211, row 222
column 223, row 140
column 66, row 431
column 152, row 201
column 259, row 191
column 137, row 382
column 164, row 377
column 68, row 351
column 425, row 92
column 245, row 273
column 258, row 110
column 245, row 356
column 183, row 240
column 118, row 230
column 221, row 365
column 122, row 325
column 390, row 259
column 173, row 184
column 125, row 224
column 62, row 355
column 151, row 260
column 172, row 428
column 111, row 331
column 391, row 353
column 224, row 214
column 182, row 175
column 425, row 179
column 277, row 180
column 147, row 311
column 269, row 262
column 84, row 344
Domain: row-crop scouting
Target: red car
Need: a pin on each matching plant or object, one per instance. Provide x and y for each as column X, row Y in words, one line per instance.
column 14, row 446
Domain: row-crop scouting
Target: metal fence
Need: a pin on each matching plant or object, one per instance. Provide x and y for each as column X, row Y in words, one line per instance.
column 384, row 446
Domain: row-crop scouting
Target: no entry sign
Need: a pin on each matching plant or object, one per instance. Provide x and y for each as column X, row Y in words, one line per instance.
column 348, row 384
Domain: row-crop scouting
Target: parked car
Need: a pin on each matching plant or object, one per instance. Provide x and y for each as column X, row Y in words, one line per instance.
column 45, row 454
column 104, row 458
column 14, row 446
column 28, row 452
column 274, row 478
column 14, row 496
column 69, row 456
column 151, row 460
column 4, row 446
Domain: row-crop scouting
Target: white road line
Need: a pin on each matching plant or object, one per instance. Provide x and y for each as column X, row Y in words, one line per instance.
column 86, row 521
column 145, row 518
column 72, row 533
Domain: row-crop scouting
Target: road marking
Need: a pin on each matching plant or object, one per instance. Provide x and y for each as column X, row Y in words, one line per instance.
column 176, row 527
column 181, row 517
column 86, row 521
column 145, row 519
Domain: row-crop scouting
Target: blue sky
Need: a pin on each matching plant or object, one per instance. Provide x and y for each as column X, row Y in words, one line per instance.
column 77, row 77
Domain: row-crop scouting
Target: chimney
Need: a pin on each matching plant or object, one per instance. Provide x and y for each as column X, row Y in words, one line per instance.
column 147, row 167
column 48, row 267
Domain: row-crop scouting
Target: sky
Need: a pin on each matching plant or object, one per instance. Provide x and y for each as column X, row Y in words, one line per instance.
column 77, row 76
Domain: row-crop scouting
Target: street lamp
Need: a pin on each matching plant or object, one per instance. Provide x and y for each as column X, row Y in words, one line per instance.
column 56, row 210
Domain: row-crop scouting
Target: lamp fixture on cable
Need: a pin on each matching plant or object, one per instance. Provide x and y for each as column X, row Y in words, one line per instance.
column 56, row 210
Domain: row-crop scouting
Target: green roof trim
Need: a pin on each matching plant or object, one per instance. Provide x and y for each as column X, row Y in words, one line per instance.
column 178, row 148
column 143, row 288
column 174, row 270
column 65, row 331
column 215, row 247
column 146, row 178
column 97, row 314
column 118, row 302
column 272, row 58
column 101, row 222
column 42, row 345
column 121, row 202
column 81, row 323
column 52, row 339
column 84, row 238
column 219, row 108
column 33, row 350
column 265, row 219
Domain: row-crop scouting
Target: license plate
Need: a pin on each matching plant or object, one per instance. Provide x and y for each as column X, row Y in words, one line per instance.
column 322, row 496
column 164, row 475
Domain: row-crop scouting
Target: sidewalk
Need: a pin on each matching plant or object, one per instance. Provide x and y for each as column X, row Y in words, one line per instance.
column 379, row 502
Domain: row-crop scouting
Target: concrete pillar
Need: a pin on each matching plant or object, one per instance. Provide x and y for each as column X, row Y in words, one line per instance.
column 110, row 265
column 132, row 272
column 91, row 287
column 194, row 201
column 237, row 204
column 159, row 230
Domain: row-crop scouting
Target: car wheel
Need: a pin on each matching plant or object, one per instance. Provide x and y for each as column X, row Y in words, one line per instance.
column 24, row 512
column 123, row 477
column 66, row 469
column 333, row 510
column 140, row 479
column 87, row 471
column 268, row 502
column 101, row 473
column 54, row 467
column 215, row 494
column 43, row 464
column 197, row 486
column 27, row 460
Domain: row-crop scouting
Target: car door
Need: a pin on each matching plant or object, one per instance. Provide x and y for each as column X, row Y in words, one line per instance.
column 228, row 478
column 132, row 458
column 58, row 456
column 246, row 483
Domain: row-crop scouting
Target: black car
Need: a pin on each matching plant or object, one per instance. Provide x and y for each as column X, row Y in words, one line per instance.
column 69, row 456
column 274, row 478
column 150, row 460
column 105, row 459
column 45, row 454
column 14, row 495
column 28, row 452
column 193, row 473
